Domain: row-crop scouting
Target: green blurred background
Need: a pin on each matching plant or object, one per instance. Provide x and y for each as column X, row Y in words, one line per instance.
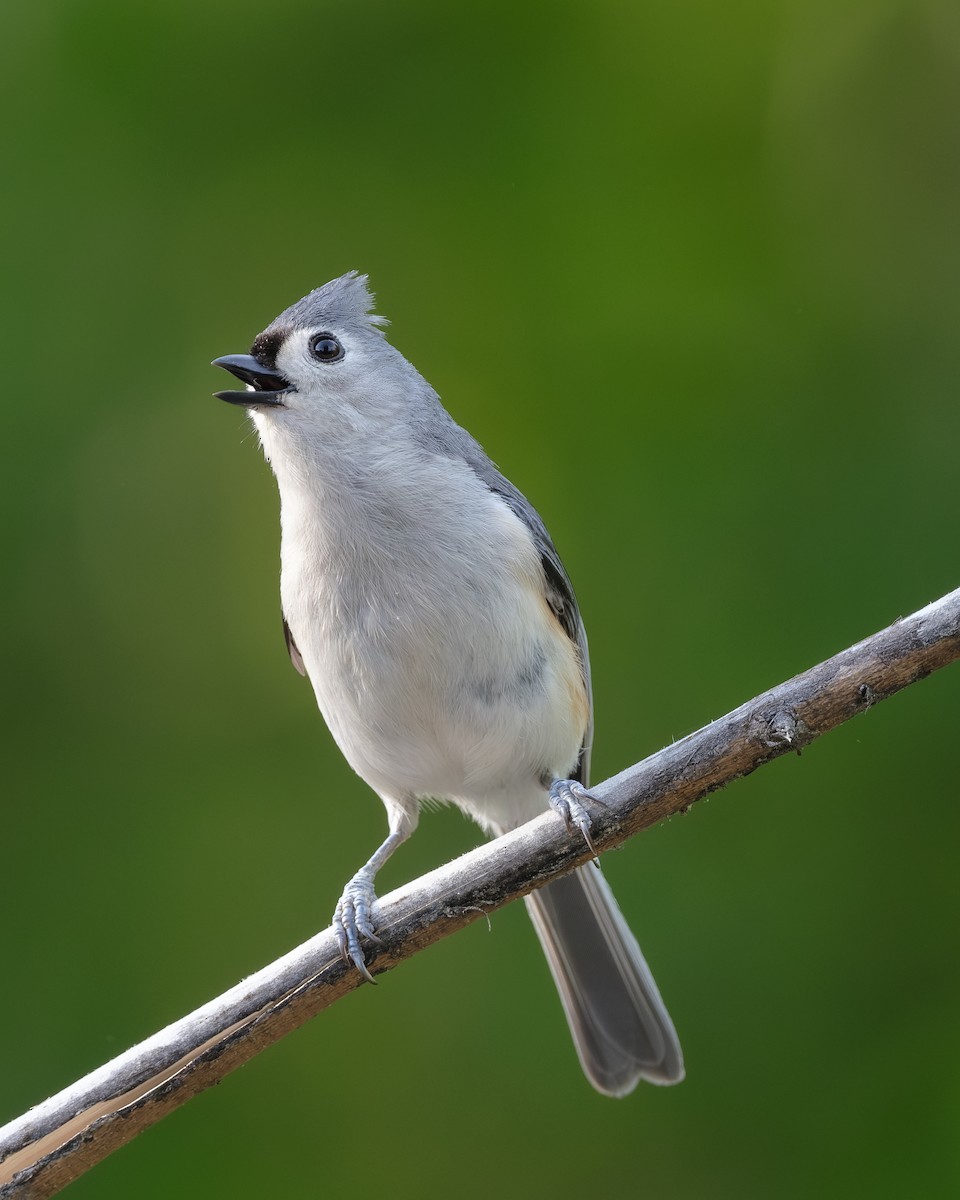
column 690, row 272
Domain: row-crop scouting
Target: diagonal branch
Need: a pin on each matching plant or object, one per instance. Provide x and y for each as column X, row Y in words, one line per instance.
column 44, row 1150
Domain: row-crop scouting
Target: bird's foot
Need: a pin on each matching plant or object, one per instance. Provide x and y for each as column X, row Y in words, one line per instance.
column 353, row 920
column 566, row 798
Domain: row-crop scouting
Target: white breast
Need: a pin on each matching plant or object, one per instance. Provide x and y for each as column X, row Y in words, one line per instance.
column 416, row 600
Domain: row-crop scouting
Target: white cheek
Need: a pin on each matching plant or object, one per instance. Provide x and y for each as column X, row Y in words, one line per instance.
column 307, row 374
column 294, row 363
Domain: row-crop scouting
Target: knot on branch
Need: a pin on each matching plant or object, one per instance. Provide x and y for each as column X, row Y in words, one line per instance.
column 867, row 695
column 782, row 730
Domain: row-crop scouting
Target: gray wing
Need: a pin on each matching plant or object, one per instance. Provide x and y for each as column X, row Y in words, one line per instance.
column 295, row 656
column 559, row 589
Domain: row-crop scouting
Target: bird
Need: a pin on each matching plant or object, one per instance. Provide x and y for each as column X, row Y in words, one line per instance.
column 426, row 603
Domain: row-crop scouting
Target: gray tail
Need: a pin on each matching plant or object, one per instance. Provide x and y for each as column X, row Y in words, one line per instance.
column 620, row 1026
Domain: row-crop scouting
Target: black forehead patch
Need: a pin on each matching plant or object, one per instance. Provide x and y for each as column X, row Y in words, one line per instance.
column 266, row 347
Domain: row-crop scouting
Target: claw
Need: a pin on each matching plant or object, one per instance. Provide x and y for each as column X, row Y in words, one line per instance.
column 352, row 920
column 566, row 798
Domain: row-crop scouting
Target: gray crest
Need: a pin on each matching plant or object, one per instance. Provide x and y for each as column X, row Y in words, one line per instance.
column 344, row 301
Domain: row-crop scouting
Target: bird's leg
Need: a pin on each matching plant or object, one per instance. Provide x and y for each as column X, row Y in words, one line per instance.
column 566, row 798
column 353, row 916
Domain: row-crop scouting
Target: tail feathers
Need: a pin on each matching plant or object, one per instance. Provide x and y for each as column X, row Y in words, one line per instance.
column 620, row 1026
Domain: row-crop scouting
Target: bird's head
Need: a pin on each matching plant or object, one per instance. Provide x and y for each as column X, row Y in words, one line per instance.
column 322, row 363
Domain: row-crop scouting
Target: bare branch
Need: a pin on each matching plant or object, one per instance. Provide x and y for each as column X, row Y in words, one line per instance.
column 57, row 1141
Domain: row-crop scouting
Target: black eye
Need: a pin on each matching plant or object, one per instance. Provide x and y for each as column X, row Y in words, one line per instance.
column 326, row 349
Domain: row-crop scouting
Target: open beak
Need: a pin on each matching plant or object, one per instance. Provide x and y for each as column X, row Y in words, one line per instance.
column 265, row 388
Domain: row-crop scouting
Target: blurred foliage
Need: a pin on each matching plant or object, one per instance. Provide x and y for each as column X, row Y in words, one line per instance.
column 690, row 272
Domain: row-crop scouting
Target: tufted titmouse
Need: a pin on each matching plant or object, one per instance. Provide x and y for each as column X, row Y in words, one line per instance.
column 423, row 598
